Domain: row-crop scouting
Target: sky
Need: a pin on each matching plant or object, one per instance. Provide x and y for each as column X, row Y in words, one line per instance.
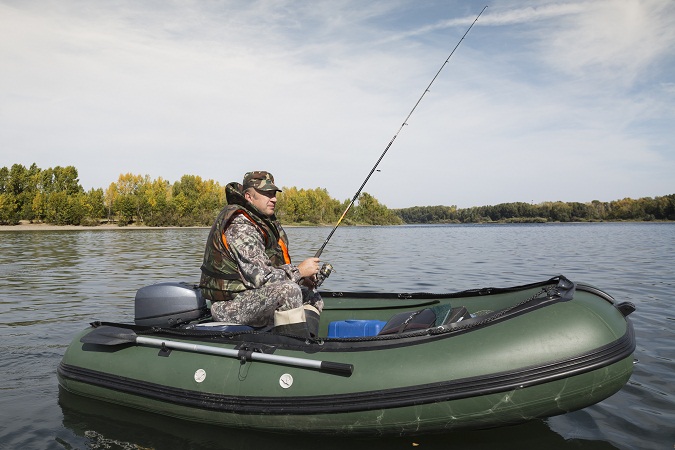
column 542, row 101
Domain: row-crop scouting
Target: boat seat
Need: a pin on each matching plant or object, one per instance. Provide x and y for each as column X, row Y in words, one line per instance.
column 222, row 326
column 457, row 315
column 409, row 321
column 422, row 319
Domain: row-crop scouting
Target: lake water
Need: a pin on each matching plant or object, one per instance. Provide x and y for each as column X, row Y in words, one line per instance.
column 53, row 283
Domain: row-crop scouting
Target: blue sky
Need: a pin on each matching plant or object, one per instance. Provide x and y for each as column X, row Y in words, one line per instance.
column 560, row 100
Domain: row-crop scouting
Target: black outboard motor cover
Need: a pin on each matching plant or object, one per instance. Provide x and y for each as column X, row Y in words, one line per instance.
column 169, row 304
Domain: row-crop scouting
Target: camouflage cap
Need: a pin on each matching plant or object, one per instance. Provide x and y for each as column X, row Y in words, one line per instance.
column 261, row 180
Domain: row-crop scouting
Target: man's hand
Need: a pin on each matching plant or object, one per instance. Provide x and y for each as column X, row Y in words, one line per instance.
column 309, row 267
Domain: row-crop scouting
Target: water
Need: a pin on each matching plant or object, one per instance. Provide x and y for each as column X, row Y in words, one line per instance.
column 53, row 283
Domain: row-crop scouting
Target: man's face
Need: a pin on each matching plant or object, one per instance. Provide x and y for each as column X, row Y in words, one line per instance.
column 264, row 201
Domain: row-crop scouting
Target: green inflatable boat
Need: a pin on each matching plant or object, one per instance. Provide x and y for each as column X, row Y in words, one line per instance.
column 383, row 364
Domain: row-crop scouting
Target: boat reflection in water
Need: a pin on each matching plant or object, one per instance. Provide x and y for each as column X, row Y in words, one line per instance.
column 96, row 424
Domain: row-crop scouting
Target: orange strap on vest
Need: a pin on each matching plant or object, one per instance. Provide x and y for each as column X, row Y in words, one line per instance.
column 284, row 248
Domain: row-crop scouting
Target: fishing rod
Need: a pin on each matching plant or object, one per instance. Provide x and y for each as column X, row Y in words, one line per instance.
column 405, row 122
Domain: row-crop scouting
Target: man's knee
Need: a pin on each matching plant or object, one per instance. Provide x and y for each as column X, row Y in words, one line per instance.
column 289, row 296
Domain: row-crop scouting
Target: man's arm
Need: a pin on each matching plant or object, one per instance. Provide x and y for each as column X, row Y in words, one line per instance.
column 248, row 248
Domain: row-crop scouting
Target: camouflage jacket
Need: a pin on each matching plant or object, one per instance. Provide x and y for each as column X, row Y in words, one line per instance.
column 244, row 250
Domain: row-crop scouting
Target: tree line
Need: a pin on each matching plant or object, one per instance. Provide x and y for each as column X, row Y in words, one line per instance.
column 642, row 209
column 51, row 195
column 55, row 196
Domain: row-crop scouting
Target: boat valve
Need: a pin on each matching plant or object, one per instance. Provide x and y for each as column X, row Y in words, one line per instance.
column 324, row 273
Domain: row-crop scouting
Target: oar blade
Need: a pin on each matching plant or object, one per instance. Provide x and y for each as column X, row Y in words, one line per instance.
column 107, row 335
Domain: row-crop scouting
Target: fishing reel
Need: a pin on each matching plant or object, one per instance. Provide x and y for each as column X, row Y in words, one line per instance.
column 324, row 273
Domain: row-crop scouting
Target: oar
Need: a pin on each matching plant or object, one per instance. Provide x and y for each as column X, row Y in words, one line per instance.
column 109, row 335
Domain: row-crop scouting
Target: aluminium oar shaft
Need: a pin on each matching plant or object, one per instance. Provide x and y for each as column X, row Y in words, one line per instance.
column 210, row 350
column 109, row 335
column 405, row 122
column 325, row 366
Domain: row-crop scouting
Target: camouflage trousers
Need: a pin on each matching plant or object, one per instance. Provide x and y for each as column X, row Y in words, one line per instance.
column 256, row 307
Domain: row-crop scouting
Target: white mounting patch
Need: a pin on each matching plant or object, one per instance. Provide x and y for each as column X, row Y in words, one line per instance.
column 286, row 380
column 200, row 375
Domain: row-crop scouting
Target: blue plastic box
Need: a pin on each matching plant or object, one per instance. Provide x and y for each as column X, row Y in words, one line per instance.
column 354, row 328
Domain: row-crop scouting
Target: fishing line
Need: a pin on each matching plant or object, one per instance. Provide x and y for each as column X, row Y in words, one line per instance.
column 405, row 122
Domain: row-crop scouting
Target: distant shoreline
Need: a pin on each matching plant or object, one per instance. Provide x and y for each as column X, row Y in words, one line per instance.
column 27, row 226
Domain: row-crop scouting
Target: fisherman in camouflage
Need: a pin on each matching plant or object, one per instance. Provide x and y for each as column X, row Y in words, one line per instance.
column 247, row 271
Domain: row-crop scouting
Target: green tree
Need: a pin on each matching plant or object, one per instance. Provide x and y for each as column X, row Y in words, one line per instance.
column 370, row 211
column 127, row 198
column 664, row 207
column 8, row 209
column 65, row 179
column 4, row 180
column 18, row 185
column 307, row 205
column 93, row 206
column 161, row 212
column 293, row 205
column 210, row 201
column 110, row 197
column 57, row 208
column 196, row 201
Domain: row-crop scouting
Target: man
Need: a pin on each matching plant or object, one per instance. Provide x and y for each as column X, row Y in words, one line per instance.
column 247, row 271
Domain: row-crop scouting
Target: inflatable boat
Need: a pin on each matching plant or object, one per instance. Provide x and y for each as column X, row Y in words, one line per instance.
column 382, row 364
